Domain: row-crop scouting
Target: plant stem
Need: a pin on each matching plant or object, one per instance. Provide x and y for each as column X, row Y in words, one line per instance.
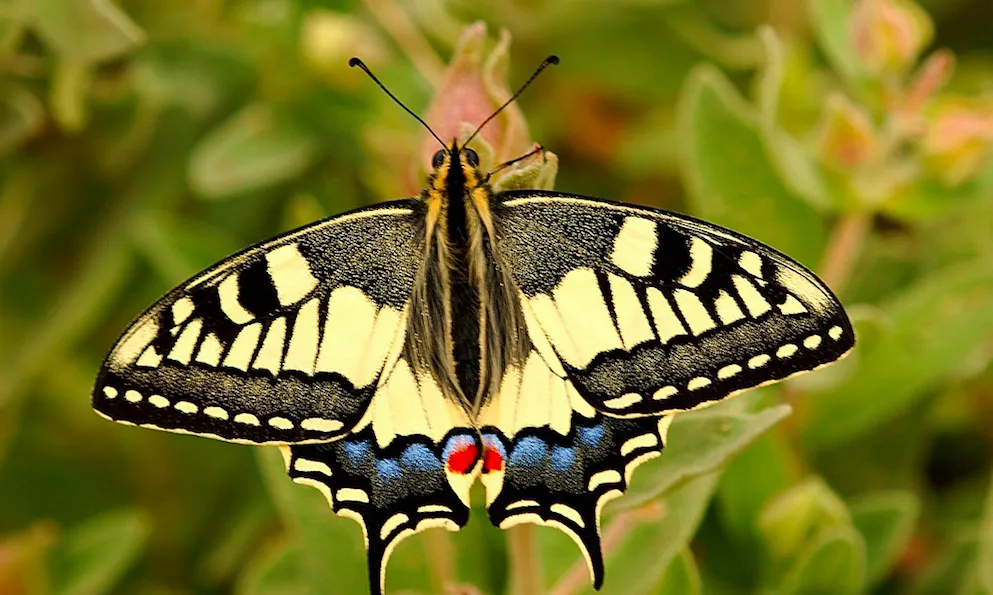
column 439, row 553
column 844, row 248
column 525, row 561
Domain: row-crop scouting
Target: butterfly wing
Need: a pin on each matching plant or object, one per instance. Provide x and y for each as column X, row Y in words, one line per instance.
column 407, row 466
column 550, row 458
column 632, row 314
column 282, row 343
column 651, row 312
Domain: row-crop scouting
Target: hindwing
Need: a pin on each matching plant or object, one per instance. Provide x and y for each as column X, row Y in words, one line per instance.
column 650, row 312
column 406, row 467
column 282, row 343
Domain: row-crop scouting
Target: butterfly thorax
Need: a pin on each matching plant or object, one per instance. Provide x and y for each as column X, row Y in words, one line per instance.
column 462, row 288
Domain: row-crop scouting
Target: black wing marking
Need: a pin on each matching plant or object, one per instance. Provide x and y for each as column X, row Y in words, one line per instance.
column 649, row 312
column 408, row 466
column 539, row 475
column 282, row 343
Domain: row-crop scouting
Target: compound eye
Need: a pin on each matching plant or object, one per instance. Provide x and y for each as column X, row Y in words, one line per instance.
column 471, row 157
column 438, row 159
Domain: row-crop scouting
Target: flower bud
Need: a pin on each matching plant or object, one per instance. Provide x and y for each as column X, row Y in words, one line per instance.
column 474, row 86
column 888, row 35
column 847, row 138
column 958, row 142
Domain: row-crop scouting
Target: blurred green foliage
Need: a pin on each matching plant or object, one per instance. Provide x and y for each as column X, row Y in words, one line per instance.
column 142, row 141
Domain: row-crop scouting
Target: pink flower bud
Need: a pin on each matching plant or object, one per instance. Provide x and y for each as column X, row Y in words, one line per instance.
column 889, row 35
column 475, row 85
column 847, row 138
column 958, row 142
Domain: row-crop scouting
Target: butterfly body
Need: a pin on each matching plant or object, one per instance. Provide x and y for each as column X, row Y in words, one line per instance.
column 537, row 341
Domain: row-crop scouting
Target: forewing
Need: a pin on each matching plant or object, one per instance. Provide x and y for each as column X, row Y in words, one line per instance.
column 552, row 459
column 408, row 466
column 650, row 312
column 282, row 343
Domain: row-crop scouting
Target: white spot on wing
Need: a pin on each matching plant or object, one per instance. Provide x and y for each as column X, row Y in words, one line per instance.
column 270, row 356
column 352, row 495
column 608, row 477
column 758, row 361
column 568, row 512
column 786, row 351
column 186, row 407
column 666, row 322
column 635, row 245
column 631, row 318
column 110, row 392
column 812, row 342
column 583, row 310
column 665, row 392
column 181, row 310
column 159, row 401
column 319, row 424
column 280, row 423
column 302, row 351
column 215, row 412
column 308, row 466
column 643, row 441
column 792, row 306
column 392, row 523
column 625, row 400
column 728, row 371
column 133, row 396
column 693, row 311
column 210, row 350
column 835, row 332
column 348, row 327
column 727, row 308
column 701, row 255
column 247, row 418
column 698, row 383
column 227, row 291
column 182, row 350
column 751, row 262
column 754, row 302
column 290, row 274
column 240, row 354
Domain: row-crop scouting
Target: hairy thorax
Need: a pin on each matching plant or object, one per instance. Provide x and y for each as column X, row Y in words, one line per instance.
column 463, row 290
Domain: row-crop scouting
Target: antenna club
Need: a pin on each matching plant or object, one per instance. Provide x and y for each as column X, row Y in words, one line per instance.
column 553, row 59
column 356, row 62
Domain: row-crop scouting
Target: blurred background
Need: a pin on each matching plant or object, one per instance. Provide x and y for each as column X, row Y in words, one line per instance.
column 141, row 141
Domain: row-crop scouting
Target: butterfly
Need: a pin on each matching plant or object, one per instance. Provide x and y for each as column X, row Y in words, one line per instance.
column 537, row 341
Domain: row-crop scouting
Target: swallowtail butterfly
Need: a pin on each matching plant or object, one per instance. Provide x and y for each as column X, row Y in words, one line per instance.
column 538, row 341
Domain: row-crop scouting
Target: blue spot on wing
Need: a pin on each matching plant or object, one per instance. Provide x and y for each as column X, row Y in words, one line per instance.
column 418, row 457
column 592, row 435
column 529, row 452
column 388, row 469
column 357, row 452
column 562, row 458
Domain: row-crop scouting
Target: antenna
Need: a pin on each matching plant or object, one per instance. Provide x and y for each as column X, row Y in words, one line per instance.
column 356, row 62
column 549, row 61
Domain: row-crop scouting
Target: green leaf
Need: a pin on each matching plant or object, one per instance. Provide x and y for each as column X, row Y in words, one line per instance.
column 22, row 116
column 730, row 178
column 70, row 93
column 830, row 19
column 259, row 147
column 93, row 556
column 86, row 30
column 984, row 562
column 789, row 520
column 699, row 442
column 794, row 162
column 639, row 564
column 331, row 551
column 682, row 577
column 274, row 571
column 886, row 521
column 933, row 327
column 834, row 564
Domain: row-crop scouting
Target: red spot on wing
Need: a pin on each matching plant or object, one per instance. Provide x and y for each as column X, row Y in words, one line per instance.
column 492, row 460
column 463, row 459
